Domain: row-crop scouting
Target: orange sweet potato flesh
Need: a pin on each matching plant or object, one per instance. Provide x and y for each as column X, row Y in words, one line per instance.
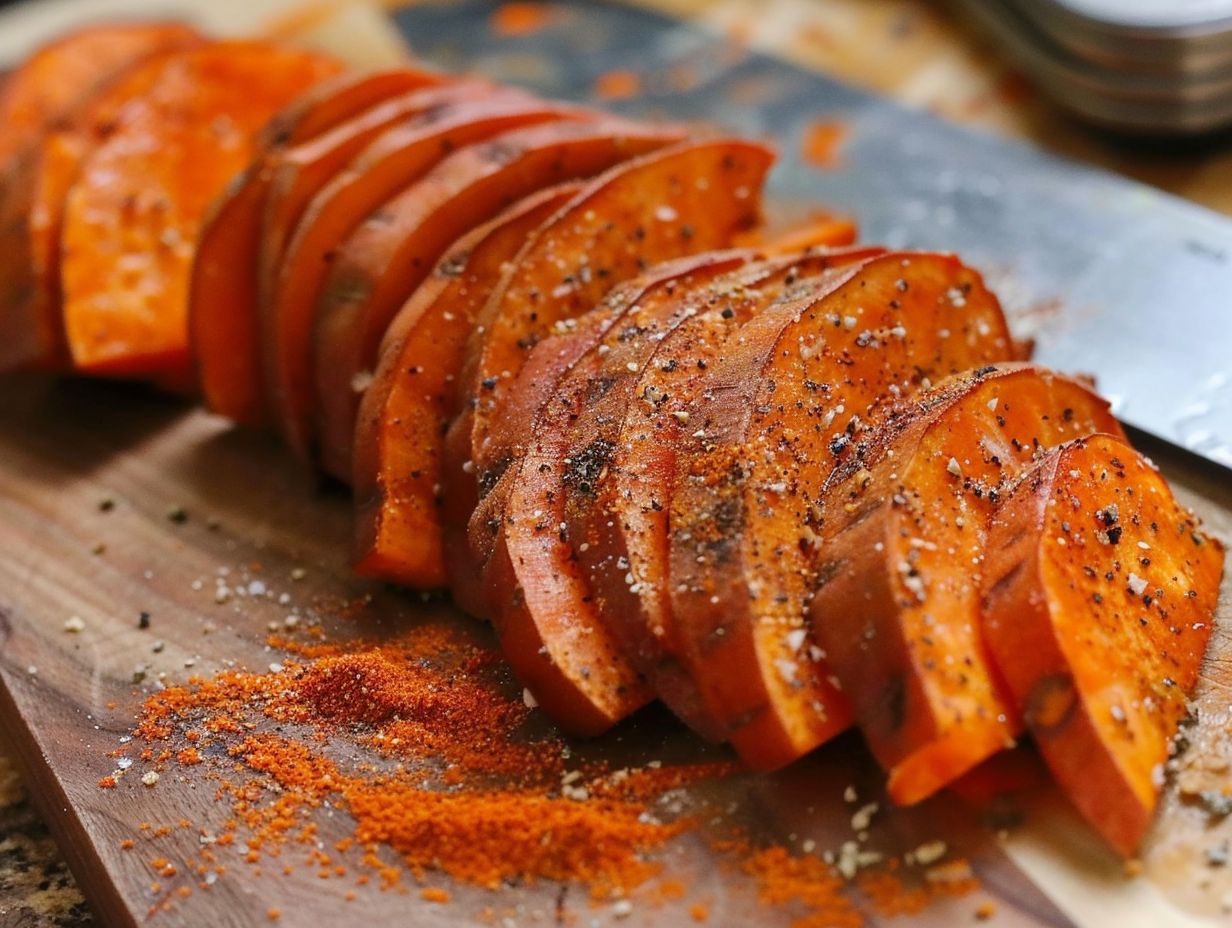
column 903, row 543
column 549, row 365
column 392, row 164
column 54, row 109
column 776, row 411
column 585, row 424
column 397, row 461
column 387, row 257
column 300, row 149
column 52, row 85
column 133, row 217
column 467, row 553
column 1099, row 597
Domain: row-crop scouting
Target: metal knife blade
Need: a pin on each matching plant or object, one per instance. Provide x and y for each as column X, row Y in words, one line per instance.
column 1111, row 277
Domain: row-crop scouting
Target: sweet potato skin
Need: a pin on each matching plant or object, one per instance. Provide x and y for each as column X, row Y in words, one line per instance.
column 44, row 151
column 899, row 620
column 565, row 451
column 555, row 360
column 393, row 163
column 660, row 206
column 588, row 406
column 250, row 222
column 620, row 529
column 172, row 152
column 779, row 408
column 604, row 241
column 1099, row 594
column 397, row 461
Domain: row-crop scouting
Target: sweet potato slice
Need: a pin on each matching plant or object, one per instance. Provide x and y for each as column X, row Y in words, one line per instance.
column 52, row 85
column 572, row 441
column 132, row 219
column 639, row 212
column 903, row 542
column 393, row 164
column 397, row 474
column 776, row 411
column 548, row 364
column 585, row 417
column 468, row 550
column 387, row 257
column 39, row 172
column 659, row 206
column 1099, row 596
column 299, row 150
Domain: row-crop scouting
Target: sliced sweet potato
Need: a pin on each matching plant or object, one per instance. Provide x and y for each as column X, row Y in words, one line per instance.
column 592, row 435
column 132, row 219
column 37, row 177
column 690, row 196
column 392, row 164
column 636, row 212
column 52, row 85
column 903, row 543
column 300, row 149
column 1099, row 595
column 31, row 326
column 572, row 440
column 790, row 390
column 551, row 359
column 387, row 257
column 396, row 468
column 327, row 105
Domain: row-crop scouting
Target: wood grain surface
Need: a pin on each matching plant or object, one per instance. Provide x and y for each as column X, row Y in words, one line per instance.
column 69, row 697
column 66, row 446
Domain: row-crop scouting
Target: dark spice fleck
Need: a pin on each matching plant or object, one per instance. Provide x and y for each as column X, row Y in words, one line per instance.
column 143, row 620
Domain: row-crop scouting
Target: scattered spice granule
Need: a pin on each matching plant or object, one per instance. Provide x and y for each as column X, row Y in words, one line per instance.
column 520, row 19
column 273, row 914
column 617, row 85
column 127, row 844
column 455, row 781
column 985, row 911
column 822, row 144
column 807, row 882
column 425, row 745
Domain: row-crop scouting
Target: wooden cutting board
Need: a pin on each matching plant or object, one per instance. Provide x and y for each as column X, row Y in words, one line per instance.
column 67, row 698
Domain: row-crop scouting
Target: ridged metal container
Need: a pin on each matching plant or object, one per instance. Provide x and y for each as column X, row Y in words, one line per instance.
column 1144, row 66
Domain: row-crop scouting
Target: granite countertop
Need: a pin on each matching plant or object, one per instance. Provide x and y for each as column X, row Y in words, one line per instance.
column 36, row 889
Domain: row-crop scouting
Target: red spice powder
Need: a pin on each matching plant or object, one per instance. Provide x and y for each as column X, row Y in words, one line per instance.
column 425, row 744
column 822, row 144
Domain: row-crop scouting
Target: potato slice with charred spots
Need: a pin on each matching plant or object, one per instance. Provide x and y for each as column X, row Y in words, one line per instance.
column 1099, row 599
